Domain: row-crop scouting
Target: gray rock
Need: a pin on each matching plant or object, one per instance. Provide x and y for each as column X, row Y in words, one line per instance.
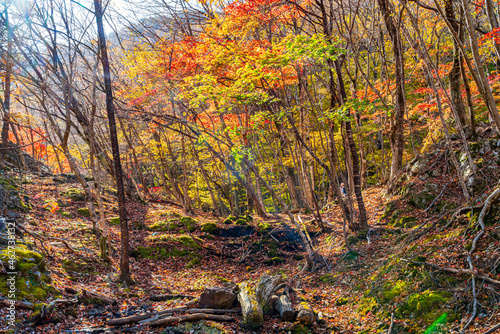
column 217, row 298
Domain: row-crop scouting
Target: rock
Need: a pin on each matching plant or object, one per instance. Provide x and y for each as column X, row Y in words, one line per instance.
column 216, row 298
column 237, row 231
column 419, row 166
column 210, row 228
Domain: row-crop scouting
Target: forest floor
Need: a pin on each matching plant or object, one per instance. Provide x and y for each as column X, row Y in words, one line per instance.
column 357, row 293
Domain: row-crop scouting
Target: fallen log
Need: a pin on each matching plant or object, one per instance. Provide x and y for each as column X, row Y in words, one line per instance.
column 162, row 298
column 213, row 311
column 70, row 290
column 140, row 317
column 283, row 306
column 250, row 307
column 265, row 289
column 190, row 317
column 91, row 297
column 305, row 314
column 17, row 304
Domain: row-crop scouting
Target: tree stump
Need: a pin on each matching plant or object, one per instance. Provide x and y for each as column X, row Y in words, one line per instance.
column 266, row 288
column 250, row 307
column 283, row 306
column 306, row 314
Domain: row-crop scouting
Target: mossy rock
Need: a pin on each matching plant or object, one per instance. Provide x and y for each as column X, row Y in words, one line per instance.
column 394, row 217
column 422, row 199
column 77, row 266
column 227, row 221
column 31, row 281
column 367, row 304
column 406, row 222
column 210, row 228
column 241, row 222
column 427, row 304
column 187, row 240
column 85, row 212
column 232, row 218
column 389, row 208
column 66, row 214
column 248, row 218
column 111, row 191
column 25, row 259
column 162, row 225
column 190, row 223
column 114, row 221
column 76, row 194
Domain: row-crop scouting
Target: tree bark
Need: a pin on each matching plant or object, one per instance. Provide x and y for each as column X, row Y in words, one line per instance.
column 397, row 120
column 110, row 109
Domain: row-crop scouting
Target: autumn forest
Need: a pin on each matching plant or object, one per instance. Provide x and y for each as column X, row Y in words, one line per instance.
column 250, row 166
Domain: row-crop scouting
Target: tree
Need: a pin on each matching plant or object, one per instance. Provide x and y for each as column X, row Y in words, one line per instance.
column 110, row 109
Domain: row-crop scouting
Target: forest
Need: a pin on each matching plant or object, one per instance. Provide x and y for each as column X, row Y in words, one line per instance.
column 250, row 166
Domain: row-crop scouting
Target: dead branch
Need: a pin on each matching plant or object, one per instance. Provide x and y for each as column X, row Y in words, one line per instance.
column 162, row 298
column 190, row 317
column 492, row 329
column 45, row 238
column 140, row 317
column 213, row 311
column 457, row 271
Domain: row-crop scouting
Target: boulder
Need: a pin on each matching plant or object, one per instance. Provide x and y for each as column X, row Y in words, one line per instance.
column 217, row 298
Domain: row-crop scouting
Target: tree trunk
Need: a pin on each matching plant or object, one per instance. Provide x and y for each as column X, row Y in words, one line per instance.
column 8, row 72
column 397, row 125
column 454, row 74
column 110, row 109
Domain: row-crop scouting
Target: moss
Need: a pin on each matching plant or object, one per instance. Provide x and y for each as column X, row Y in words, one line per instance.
column 25, row 258
column 367, row 304
column 422, row 199
column 83, row 212
column 274, row 260
column 341, row 301
column 406, row 222
column 352, row 239
column 389, row 208
column 114, row 221
column 427, row 305
column 241, row 222
column 265, row 227
column 328, row 278
column 393, row 290
column 75, row 194
column 189, row 223
column 300, row 329
column 187, row 220
column 188, row 241
column 395, row 216
column 163, row 225
column 66, row 214
column 192, row 263
column 209, row 227
column 232, row 218
column 248, row 218
column 227, row 221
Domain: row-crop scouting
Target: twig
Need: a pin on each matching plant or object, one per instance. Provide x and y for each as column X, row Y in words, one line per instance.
column 392, row 324
column 435, row 199
column 474, row 298
column 492, row 329
column 190, row 317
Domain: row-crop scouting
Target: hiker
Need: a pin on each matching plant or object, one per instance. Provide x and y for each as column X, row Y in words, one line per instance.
column 342, row 190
